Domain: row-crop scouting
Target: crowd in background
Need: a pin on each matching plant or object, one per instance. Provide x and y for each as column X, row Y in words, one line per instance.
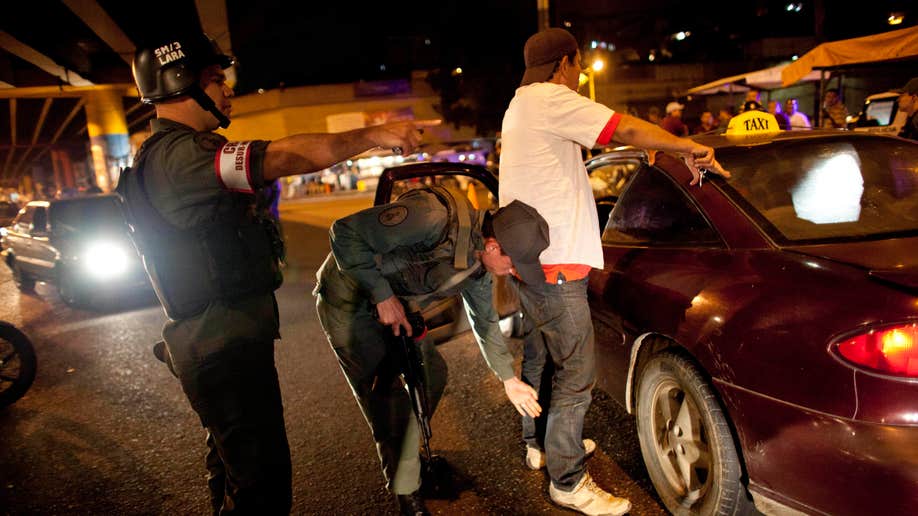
column 787, row 113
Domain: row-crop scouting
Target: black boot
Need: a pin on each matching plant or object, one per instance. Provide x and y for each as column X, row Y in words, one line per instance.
column 412, row 505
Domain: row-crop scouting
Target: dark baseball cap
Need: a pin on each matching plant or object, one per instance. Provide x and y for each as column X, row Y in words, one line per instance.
column 544, row 49
column 523, row 235
column 911, row 87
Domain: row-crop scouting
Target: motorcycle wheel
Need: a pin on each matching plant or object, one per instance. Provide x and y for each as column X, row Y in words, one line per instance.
column 17, row 364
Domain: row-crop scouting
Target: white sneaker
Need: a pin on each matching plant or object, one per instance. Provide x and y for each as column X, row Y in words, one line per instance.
column 535, row 458
column 589, row 498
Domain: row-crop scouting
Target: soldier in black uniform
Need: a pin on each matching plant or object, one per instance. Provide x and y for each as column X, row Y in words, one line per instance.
column 213, row 258
column 428, row 245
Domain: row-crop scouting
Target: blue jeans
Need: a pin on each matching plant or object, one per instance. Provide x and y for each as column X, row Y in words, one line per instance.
column 562, row 330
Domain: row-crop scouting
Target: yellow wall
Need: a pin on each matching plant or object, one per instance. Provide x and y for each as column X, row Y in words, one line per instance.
column 278, row 113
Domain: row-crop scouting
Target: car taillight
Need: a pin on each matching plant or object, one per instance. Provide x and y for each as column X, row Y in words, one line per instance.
column 891, row 350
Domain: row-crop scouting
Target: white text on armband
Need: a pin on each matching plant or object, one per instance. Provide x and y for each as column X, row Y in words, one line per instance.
column 233, row 168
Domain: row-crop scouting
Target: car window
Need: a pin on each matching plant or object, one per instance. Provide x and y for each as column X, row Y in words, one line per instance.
column 23, row 221
column 609, row 180
column 475, row 190
column 88, row 214
column 840, row 188
column 653, row 210
column 880, row 112
column 40, row 220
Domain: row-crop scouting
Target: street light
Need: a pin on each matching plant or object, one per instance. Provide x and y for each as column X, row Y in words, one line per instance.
column 586, row 76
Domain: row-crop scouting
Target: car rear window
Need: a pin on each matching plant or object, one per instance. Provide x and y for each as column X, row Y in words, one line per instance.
column 818, row 189
column 91, row 213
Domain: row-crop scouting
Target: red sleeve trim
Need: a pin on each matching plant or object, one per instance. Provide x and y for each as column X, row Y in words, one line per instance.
column 606, row 135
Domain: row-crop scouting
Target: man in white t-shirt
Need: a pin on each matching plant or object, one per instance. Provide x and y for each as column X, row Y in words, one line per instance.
column 543, row 131
column 798, row 121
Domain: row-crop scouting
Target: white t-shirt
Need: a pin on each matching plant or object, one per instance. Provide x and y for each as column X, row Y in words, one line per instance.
column 541, row 165
column 799, row 121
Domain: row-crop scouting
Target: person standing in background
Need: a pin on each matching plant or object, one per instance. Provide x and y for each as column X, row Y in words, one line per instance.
column 798, row 120
column 908, row 104
column 834, row 112
column 724, row 116
column 708, row 123
column 673, row 121
column 775, row 109
column 653, row 115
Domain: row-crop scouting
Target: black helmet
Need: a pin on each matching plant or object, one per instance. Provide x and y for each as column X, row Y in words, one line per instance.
column 173, row 66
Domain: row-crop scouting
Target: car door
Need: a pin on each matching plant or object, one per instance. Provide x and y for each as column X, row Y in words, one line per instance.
column 42, row 253
column 446, row 318
column 659, row 251
column 609, row 174
column 19, row 240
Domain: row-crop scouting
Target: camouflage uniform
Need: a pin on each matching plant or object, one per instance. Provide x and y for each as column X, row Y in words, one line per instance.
column 405, row 248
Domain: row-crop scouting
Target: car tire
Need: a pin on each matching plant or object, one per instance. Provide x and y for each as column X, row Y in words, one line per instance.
column 17, row 369
column 23, row 280
column 686, row 442
column 70, row 291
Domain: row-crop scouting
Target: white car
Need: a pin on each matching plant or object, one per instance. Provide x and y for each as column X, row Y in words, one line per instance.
column 880, row 114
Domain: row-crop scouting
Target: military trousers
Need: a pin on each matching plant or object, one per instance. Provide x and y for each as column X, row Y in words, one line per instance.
column 235, row 391
column 560, row 343
column 372, row 365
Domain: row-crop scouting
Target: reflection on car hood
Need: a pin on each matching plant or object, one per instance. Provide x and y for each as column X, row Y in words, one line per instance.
column 893, row 260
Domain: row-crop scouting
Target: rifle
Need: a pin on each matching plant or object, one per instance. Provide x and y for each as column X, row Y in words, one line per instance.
column 438, row 480
column 413, row 375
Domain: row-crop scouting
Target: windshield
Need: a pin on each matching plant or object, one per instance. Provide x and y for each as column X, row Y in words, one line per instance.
column 89, row 214
column 827, row 188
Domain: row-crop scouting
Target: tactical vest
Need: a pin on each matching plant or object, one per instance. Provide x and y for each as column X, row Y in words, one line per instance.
column 233, row 255
column 416, row 273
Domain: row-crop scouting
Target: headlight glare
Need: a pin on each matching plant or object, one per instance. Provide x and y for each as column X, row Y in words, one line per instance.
column 105, row 259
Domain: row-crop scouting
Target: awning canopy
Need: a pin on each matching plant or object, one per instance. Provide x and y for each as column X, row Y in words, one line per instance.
column 766, row 79
column 888, row 46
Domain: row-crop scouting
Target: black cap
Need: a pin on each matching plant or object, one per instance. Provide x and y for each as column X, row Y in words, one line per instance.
column 544, row 49
column 523, row 235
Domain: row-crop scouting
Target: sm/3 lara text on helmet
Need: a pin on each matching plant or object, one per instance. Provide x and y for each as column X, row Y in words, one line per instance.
column 168, row 53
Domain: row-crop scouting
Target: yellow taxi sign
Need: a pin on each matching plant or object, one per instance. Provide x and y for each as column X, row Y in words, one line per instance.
column 751, row 123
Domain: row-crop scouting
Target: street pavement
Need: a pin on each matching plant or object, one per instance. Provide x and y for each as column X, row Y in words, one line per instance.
column 105, row 429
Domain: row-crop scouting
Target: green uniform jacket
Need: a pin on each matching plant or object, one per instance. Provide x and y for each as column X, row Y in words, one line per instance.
column 401, row 249
column 182, row 184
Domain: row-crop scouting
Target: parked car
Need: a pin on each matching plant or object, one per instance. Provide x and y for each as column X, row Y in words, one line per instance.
column 79, row 244
column 763, row 330
column 880, row 114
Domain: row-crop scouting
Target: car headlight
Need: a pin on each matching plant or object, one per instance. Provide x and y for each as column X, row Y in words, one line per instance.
column 105, row 259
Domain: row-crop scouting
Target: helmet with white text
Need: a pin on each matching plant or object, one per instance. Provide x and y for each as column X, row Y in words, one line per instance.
column 171, row 67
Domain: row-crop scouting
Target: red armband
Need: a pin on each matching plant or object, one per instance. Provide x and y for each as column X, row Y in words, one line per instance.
column 233, row 168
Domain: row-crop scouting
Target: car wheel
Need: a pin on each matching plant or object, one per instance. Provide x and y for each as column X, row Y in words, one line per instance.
column 69, row 289
column 17, row 364
column 23, row 281
column 686, row 442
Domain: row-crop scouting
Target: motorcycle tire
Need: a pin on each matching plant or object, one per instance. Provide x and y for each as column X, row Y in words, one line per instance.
column 17, row 364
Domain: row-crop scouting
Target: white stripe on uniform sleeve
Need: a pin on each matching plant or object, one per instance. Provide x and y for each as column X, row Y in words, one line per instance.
column 233, row 167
